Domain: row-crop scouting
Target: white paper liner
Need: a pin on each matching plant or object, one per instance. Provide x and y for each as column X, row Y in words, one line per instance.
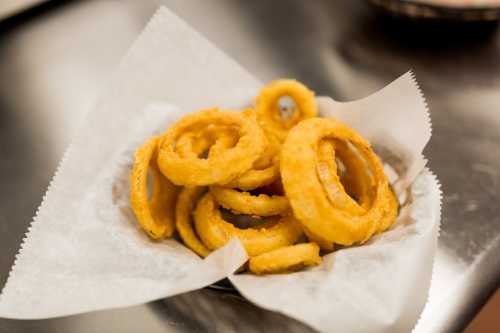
column 84, row 253
column 53, row 273
column 378, row 287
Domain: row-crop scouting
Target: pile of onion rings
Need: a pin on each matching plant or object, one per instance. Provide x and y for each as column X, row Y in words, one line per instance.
column 306, row 182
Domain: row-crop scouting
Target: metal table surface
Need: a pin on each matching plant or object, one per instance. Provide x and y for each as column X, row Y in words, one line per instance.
column 55, row 59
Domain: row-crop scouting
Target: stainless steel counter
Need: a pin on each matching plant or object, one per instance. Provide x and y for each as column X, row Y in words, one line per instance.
column 55, row 59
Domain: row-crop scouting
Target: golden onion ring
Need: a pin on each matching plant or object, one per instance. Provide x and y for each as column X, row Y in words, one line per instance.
column 246, row 203
column 359, row 180
column 285, row 259
column 324, row 244
column 254, row 178
column 183, row 209
column 188, row 145
column 264, row 171
column 215, row 232
column 310, row 205
column 155, row 215
column 268, row 109
column 270, row 155
column 219, row 169
column 195, row 143
column 327, row 173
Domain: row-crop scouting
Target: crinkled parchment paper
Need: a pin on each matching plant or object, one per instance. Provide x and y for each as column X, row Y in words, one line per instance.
column 84, row 251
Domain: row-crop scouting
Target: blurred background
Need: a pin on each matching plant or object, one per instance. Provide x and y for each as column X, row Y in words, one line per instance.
column 55, row 57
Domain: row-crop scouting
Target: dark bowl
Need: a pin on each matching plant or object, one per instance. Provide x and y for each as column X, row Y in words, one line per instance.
column 432, row 11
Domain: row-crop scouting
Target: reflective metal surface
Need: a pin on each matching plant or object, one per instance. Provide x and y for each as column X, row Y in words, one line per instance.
column 55, row 59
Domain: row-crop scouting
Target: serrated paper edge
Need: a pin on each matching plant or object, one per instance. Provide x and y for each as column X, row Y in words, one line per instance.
column 438, row 185
column 424, row 102
column 53, row 183
column 438, row 234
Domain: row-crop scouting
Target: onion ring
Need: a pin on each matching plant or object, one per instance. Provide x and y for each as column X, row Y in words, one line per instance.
column 264, row 171
column 361, row 183
column 268, row 110
column 183, row 209
column 216, row 140
column 270, row 155
column 195, row 143
column 359, row 180
column 306, row 194
column 253, row 178
column 215, row 232
column 285, row 259
column 189, row 145
column 155, row 215
column 218, row 169
column 246, row 203
column 324, row 244
column 327, row 173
